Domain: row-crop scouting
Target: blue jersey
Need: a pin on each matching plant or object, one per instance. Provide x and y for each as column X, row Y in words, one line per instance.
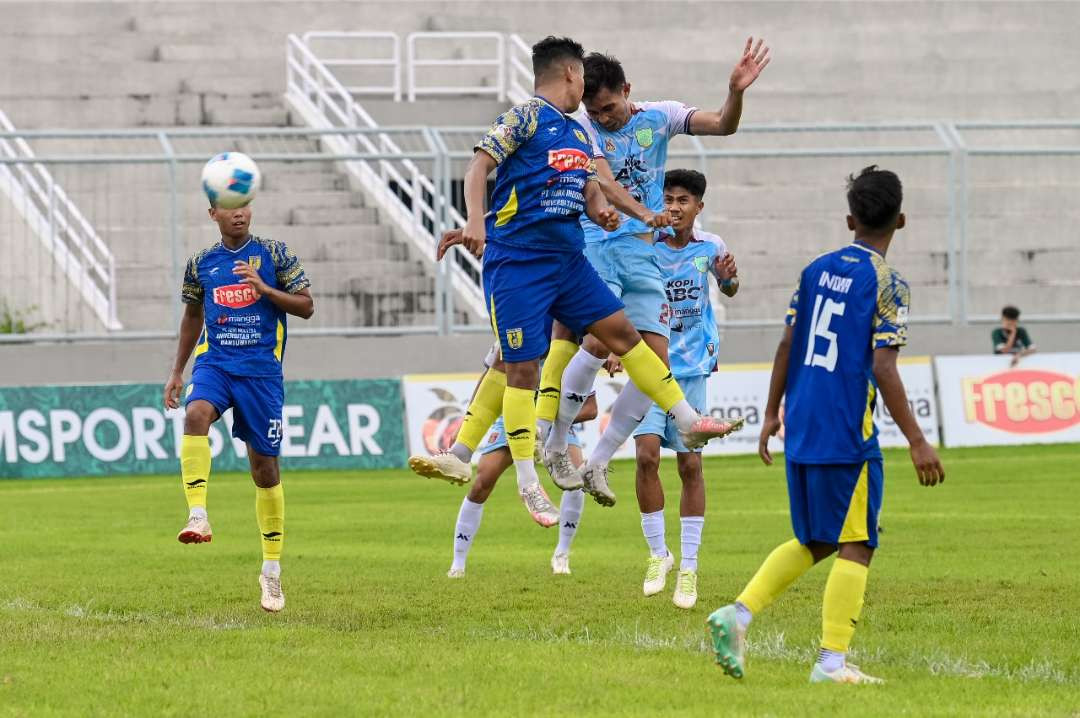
column 544, row 161
column 637, row 153
column 695, row 341
column 242, row 335
column 847, row 304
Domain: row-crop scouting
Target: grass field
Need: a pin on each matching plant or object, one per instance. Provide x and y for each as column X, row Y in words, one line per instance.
column 972, row 607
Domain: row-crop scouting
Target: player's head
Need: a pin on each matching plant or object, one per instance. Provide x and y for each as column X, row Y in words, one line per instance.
column 607, row 93
column 1010, row 315
column 233, row 223
column 683, row 192
column 558, row 61
column 874, row 197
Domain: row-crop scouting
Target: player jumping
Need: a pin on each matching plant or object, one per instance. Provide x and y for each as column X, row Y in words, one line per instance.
column 633, row 138
column 686, row 259
column 845, row 326
column 237, row 294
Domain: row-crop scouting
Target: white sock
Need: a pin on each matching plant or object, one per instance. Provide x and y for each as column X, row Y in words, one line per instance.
column 743, row 615
column 526, row 473
column 271, row 568
column 461, row 451
column 627, row 412
column 577, row 383
column 468, row 521
column 652, row 525
column 570, row 508
column 197, row 512
column 831, row 660
column 691, row 540
column 543, row 428
column 684, row 415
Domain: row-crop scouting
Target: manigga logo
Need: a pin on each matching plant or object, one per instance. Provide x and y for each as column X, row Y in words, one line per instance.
column 1024, row 401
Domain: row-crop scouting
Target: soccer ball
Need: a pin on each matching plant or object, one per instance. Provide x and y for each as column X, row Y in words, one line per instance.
column 230, row 180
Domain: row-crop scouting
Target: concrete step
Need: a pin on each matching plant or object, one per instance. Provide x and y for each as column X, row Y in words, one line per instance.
column 321, row 216
column 249, row 117
column 131, row 77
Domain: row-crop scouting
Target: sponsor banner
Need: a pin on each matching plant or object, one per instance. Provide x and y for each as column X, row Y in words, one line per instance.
column 435, row 406
column 122, row 429
column 985, row 401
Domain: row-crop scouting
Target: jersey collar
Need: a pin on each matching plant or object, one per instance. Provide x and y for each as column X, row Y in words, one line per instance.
column 550, row 104
column 238, row 249
column 867, row 247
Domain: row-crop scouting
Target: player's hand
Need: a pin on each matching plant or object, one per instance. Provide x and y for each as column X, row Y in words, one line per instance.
column 927, row 464
column 769, row 428
column 449, row 239
column 1015, row 361
column 725, row 267
column 173, row 387
column 250, row 276
column 608, row 219
column 474, row 236
column 613, row 365
column 658, row 219
column 753, row 61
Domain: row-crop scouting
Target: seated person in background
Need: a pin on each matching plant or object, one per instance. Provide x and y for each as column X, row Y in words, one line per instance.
column 1010, row 338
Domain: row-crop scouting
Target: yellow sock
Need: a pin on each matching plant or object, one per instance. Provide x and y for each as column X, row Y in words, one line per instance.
column 483, row 410
column 195, row 468
column 270, row 512
column 519, row 416
column 786, row 563
column 559, row 355
column 844, row 592
column 649, row 374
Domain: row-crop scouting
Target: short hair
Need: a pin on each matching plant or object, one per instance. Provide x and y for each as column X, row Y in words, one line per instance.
column 603, row 72
column 553, row 49
column 690, row 180
column 1010, row 312
column 874, row 197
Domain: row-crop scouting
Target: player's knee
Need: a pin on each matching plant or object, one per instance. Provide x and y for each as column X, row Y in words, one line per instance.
column 523, row 375
column 595, row 347
column 858, row 552
column 690, row 468
column 624, row 338
column 198, row 416
column 264, row 470
column 648, row 461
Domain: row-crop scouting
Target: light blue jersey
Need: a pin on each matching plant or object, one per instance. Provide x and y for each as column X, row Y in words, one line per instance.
column 637, row 153
column 695, row 341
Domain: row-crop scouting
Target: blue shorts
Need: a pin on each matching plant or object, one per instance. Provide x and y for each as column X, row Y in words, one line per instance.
column 256, row 402
column 836, row 503
column 496, row 438
column 525, row 288
column 631, row 269
column 658, row 423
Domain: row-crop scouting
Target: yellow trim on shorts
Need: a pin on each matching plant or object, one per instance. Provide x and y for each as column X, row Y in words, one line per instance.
column 855, row 522
column 494, row 323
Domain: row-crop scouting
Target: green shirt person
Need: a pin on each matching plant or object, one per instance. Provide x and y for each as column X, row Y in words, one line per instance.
column 1010, row 338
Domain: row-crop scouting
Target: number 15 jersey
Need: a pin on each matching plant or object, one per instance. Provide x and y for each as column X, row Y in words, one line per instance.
column 847, row 304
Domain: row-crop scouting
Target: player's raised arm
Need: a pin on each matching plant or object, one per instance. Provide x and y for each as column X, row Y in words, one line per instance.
column 777, row 383
column 891, row 386
column 725, row 122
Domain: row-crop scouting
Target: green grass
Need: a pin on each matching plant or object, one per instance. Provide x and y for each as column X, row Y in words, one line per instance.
column 971, row 610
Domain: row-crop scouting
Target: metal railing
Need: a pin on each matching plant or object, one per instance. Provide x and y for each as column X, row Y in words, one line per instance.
column 358, row 48
column 451, row 41
column 519, row 74
column 56, row 222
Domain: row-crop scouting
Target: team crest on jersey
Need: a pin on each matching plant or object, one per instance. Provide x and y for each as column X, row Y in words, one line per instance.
column 514, row 338
column 609, row 145
column 581, row 136
column 255, row 262
column 701, row 264
column 644, row 137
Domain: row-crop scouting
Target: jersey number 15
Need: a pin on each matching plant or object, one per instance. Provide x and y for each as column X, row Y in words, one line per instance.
column 819, row 327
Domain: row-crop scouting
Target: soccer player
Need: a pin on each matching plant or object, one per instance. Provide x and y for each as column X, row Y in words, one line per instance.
column 686, row 258
column 237, row 295
column 534, row 267
column 633, row 138
column 495, row 458
column 845, row 326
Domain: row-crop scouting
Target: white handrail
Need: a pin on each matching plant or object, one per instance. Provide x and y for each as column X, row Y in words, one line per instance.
column 519, row 74
column 61, row 228
column 498, row 62
column 325, row 103
column 393, row 61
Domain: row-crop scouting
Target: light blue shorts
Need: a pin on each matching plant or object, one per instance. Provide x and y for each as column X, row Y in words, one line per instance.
column 631, row 269
column 657, row 422
column 496, row 437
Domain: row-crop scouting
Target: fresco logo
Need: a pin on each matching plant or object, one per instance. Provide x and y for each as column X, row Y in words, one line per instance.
column 1026, row 401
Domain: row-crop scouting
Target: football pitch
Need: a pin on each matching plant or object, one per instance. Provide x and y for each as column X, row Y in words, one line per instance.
column 971, row 608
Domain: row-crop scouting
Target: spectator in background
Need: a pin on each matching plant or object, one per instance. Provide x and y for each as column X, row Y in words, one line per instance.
column 1010, row 338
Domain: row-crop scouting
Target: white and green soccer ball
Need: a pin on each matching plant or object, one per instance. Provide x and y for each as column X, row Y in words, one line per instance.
column 230, row 180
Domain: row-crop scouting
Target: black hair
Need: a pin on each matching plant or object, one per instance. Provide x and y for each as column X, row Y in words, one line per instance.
column 1010, row 312
column 603, row 72
column 690, row 180
column 874, row 197
column 553, row 49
